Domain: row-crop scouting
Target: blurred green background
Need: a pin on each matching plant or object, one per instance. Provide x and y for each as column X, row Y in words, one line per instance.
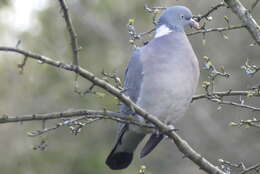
column 102, row 32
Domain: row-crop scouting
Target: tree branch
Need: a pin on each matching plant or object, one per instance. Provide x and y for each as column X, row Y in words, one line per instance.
column 222, row 94
column 246, row 18
column 182, row 145
column 251, row 168
column 71, row 31
column 58, row 115
column 254, row 5
column 216, row 29
column 86, row 113
column 240, row 105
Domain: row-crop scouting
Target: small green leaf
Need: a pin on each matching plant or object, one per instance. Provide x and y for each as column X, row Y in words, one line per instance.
column 206, row 58
column 233, row 124
column 222, row 69
column 142, row 169
column 205, row 84
column 100, row 94
column 131, row 21
column 156, row 11
column 250, row 94
column 226, row 19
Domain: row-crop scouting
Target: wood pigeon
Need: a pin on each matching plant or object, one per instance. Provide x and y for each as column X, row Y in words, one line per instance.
column 161, row 77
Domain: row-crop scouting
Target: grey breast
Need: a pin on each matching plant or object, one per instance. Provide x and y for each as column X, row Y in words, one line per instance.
column 170, row 76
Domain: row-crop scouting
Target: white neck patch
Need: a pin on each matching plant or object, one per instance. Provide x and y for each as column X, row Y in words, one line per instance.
column 161, row 31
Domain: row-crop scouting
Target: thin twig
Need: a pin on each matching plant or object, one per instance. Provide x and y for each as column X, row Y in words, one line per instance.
column 152, row 9
column 114, row 77
column 137, row 36
column 22, row 65
column 222, row 94
column 240, row 105
column 249, row 169
column 71, row 123
column 72, row 32
column 216, row 29
column 247, row 123
column 73, row 41
column 206, row 15
column 87, row 114
column 254, row 5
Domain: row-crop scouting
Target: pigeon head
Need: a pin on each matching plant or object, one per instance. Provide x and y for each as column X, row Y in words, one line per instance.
column 176, row 18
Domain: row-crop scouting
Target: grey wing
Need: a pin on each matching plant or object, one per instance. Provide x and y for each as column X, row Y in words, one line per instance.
column 133, row 79
column 132, row 85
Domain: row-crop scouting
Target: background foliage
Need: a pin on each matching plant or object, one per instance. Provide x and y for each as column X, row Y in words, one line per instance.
column 102, row 32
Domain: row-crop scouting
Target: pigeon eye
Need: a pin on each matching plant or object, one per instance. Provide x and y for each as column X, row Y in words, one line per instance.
column 182, row 16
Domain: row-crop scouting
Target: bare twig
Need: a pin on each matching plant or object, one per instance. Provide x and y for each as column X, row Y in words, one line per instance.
column 182, row 145
column 57, row 115
column 137, row 36
column 246, row 18
column 251, row 168
column 240, row 165
column 87, row 114
column 240, row 105
column 114, row 77
column 254, row 5
column 74, row 124
column 41, row 146
column 72, row 33
column 133, row 34
column 212, row 70
column 225, row 93
column 250, row 69
column 89, row 90
column 21, row 65
column 206, row 15
column 216, row 29
column 247, row 123
column 73, row 41
column 154, row 11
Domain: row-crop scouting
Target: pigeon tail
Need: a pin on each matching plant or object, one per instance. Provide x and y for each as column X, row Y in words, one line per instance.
column 119, row 160
column 122, row 154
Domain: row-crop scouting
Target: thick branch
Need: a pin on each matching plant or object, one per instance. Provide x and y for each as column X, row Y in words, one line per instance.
column 182, row 145
column 246, row 18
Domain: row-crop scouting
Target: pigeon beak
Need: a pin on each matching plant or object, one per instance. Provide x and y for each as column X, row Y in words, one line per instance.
column 194, row 24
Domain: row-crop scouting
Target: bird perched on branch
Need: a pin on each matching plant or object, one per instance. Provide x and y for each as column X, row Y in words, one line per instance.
column 161, row 77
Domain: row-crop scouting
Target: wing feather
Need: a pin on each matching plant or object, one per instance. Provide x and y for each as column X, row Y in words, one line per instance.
column 133, row 79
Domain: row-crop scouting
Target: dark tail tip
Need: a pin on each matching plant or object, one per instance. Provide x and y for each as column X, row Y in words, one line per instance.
column 119, row 160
